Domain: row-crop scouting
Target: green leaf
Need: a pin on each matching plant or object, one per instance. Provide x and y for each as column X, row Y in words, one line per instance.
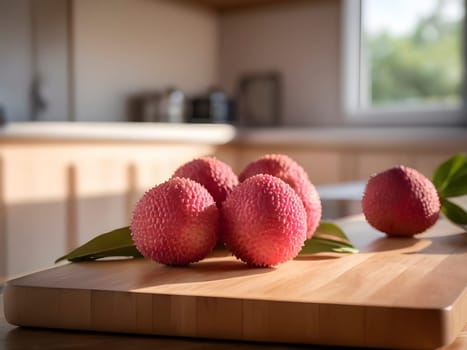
column 318, row 245
column 457, row 185
column 114, row 243
column 328, row 238
column 329, row 228
column 445, row 170
column 450, row 177
column 453, row 212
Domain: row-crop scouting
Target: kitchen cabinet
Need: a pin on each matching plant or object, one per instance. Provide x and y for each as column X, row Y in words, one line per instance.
column 56, row 196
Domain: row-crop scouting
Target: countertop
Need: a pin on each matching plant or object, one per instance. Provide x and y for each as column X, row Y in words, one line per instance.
column 438, row 138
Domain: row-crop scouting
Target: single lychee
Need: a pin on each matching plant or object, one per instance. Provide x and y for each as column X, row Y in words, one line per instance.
column 400, row 202
column 263, row 221
column 285, row 168
column 176, row 222
column 217, row 176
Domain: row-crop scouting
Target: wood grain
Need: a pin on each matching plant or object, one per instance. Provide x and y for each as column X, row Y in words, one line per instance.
column 396, row 293
column 29, row 338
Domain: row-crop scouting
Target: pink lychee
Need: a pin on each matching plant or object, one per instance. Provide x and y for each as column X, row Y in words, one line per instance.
column 400, row 202
column 292, row 173
column 263, row 221
column 176, row 222
column 217, row 176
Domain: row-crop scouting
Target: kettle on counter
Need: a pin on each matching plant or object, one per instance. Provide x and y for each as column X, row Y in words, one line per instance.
column 166, row 107
column 172, row 106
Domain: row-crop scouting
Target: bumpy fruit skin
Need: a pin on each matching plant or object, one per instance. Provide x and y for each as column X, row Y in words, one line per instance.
column 288, row 170
column 263, row 221
column 175, row 223
column 217, row 176
column 400, row 202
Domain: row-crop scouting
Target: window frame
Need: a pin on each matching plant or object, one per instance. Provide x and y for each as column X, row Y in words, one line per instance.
column 353, row 100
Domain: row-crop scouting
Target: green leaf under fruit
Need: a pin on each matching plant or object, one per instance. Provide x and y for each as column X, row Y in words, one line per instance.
column 111, row 244
column 450, row 177
column 453, row 212
column 328, row 238
column 329, row 228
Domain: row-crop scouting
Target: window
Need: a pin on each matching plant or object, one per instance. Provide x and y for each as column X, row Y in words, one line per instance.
column 404, row 61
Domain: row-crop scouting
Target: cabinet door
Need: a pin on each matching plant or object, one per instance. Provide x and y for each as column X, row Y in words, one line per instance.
column 16, row 59
column 34, row 69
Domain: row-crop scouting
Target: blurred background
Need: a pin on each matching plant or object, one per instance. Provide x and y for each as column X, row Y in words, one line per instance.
column 102, row 99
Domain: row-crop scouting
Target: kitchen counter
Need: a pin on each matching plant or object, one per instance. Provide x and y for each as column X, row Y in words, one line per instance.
column 438, row 138
column 161, row 132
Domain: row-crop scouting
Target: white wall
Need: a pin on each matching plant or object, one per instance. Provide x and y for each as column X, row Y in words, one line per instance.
column 301, row 41
column 122, row 47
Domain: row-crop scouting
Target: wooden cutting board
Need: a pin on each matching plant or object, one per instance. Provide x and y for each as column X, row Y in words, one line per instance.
column 396, row 293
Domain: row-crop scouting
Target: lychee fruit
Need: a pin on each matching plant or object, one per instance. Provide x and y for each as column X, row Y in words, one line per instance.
column 217, row 176
column 400, row 202
column 292, row 173
column 263, row 221
column 175, row 223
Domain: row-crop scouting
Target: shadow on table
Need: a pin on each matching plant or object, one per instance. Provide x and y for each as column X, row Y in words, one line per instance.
column 403, row 245
column 39, row 338
column 211, row 269
column 449, row 244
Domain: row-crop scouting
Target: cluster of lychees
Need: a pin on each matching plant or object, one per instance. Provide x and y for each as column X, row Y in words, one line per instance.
column 263, row 216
